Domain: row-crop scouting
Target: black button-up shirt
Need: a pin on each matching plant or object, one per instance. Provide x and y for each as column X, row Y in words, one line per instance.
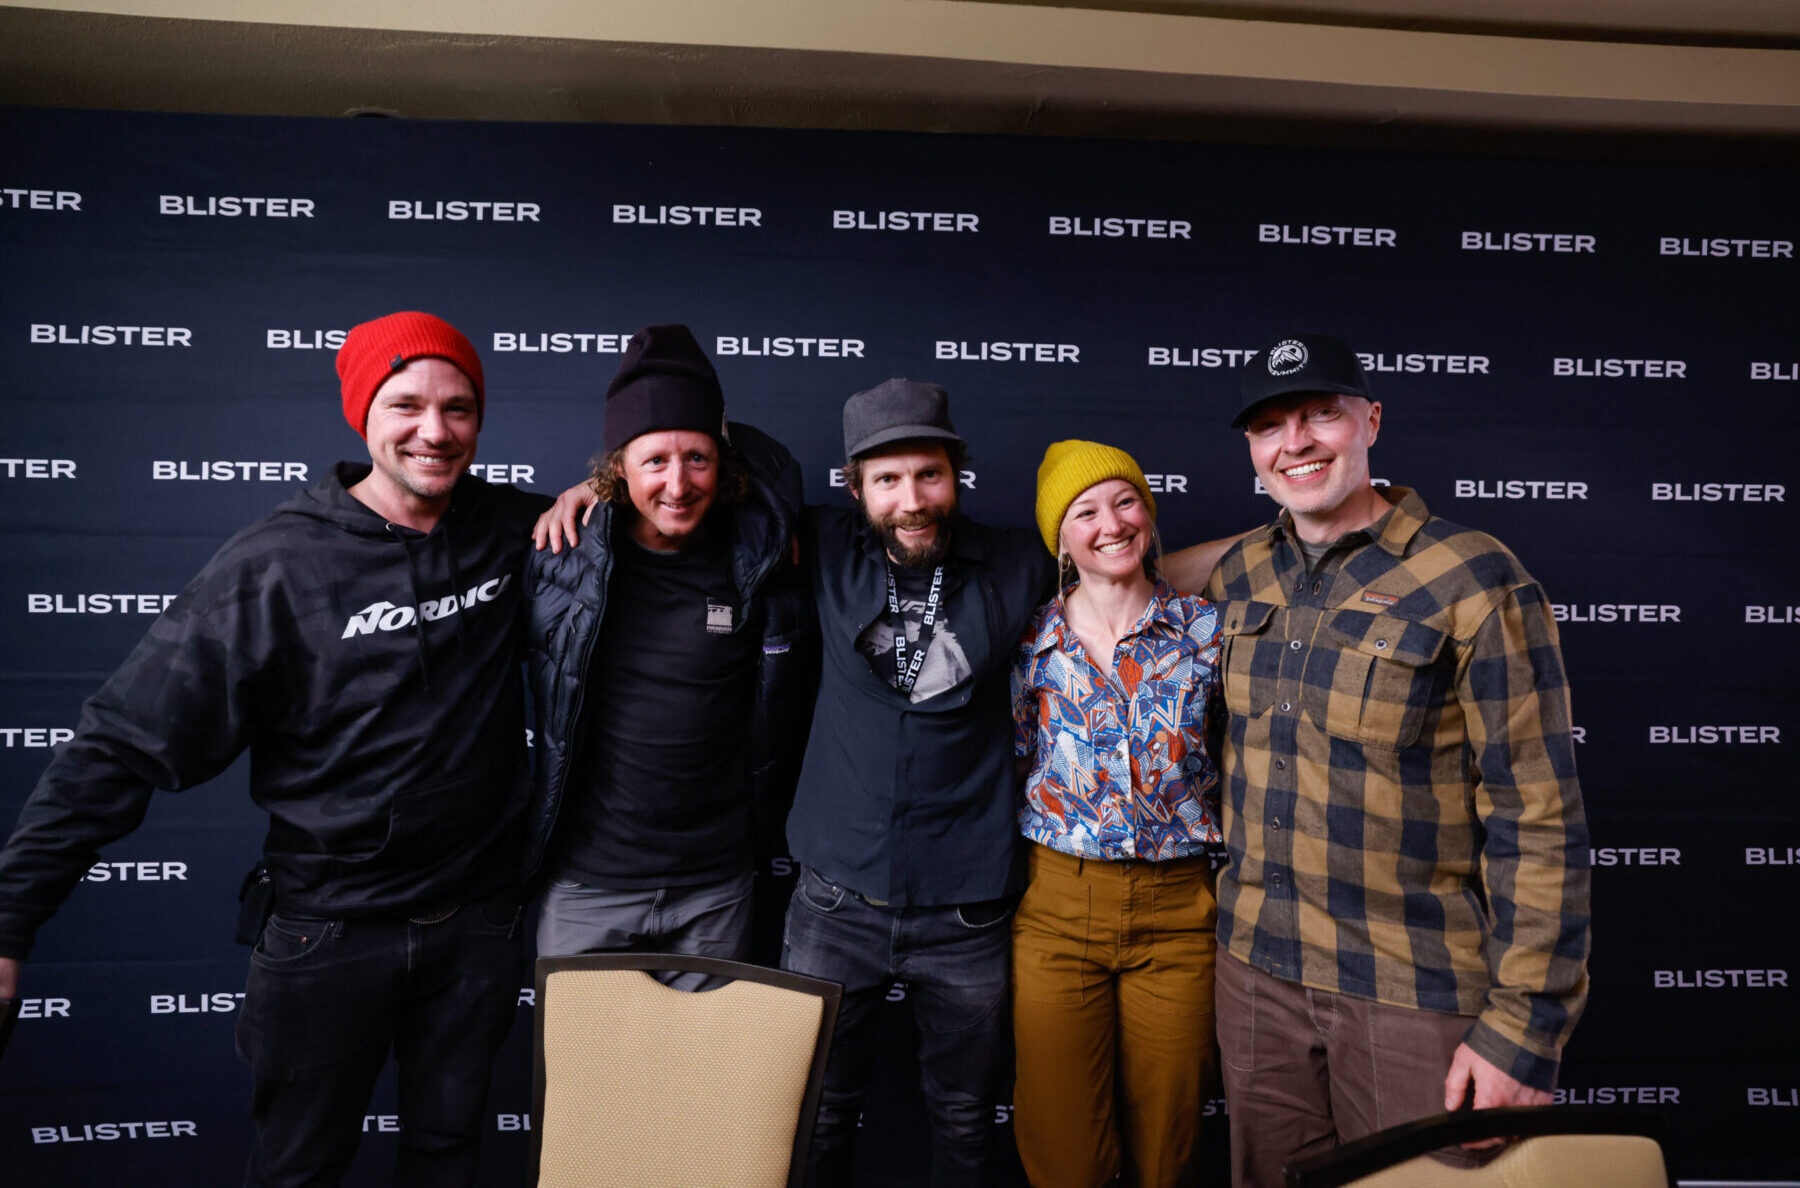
column 913, row 804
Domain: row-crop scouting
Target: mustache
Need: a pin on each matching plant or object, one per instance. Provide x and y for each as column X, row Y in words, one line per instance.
column 912, row 521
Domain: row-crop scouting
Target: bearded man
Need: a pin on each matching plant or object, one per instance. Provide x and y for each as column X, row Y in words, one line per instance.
column 904, row 816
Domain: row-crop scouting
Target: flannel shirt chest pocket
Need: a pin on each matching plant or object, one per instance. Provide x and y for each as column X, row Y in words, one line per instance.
column 1374, row 678
column 1251, row 662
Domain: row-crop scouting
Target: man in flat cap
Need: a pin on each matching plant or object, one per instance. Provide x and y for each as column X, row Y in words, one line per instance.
column 1403, row 923
column 363, row 643
column 904, row 820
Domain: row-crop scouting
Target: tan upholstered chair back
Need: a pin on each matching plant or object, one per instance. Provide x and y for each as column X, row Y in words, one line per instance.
column 1548, row 1147
column 1549, row 1161
column 645, row 1086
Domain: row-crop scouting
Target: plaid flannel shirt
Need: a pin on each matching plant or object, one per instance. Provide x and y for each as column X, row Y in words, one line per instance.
column 1401, row 810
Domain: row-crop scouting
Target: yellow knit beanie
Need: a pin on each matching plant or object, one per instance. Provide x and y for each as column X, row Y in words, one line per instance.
column 1071, row 467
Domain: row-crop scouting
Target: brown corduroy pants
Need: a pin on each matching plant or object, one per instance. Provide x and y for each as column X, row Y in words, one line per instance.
column 1113, row 1018
column 1308, row 1069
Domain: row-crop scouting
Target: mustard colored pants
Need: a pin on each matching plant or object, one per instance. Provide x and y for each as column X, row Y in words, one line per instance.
column 1113, row 1019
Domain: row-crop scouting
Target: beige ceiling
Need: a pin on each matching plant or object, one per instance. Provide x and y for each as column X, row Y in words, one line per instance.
column 1706, row 78
column 1719, row 22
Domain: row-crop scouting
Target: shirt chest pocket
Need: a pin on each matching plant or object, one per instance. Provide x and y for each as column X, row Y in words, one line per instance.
column 1250, row 662
column 1374, row 679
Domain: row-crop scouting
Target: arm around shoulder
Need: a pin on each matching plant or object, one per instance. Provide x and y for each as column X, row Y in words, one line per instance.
column 1189, row 569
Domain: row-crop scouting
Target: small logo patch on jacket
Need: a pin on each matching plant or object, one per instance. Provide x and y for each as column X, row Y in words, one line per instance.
column 718, row 619
column 1380, row 599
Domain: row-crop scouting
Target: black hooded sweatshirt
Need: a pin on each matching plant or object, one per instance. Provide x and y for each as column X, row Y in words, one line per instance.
column 374, row 674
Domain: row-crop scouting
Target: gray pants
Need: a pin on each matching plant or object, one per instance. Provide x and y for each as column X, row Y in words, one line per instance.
column 708, row 919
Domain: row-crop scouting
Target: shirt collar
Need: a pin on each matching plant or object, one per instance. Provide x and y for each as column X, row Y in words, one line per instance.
column 1392, row 532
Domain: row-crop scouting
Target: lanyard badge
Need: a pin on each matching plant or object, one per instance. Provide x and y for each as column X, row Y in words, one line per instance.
column 906, row 671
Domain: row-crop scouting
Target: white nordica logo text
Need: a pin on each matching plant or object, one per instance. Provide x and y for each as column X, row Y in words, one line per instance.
column 385, row 616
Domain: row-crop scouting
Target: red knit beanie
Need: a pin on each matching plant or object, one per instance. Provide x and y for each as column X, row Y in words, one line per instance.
column 375, row 350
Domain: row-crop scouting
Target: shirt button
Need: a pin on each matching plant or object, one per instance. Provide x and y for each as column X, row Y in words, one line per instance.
column 1275, row 879
column 1281, row 765
column 1294, row 644
column 1299, row 585
column 1286, row 706
column 1380, row 645
column 1275, row 823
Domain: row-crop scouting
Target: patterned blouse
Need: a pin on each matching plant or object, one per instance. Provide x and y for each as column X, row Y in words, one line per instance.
column 1119, row 764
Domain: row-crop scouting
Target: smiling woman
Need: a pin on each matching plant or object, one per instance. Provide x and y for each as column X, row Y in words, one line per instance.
column 1113, row 688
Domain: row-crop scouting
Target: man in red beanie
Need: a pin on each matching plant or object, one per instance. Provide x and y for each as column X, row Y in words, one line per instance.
column 363, row 642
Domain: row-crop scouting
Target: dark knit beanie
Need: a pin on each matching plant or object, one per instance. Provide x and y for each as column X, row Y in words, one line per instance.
column 375, row 350
column 664, row 382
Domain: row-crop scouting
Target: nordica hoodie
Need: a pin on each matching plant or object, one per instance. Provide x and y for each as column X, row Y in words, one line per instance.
column 372, row 671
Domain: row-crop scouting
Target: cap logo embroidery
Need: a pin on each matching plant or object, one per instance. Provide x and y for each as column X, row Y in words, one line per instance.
column 398, row 362
column 1287, row 356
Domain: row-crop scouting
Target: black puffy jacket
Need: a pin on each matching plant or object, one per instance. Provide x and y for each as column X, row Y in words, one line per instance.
column 568, row 602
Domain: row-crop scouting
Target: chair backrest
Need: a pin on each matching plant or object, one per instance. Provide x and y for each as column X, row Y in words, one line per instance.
column 639, row 1085
column 1553, row 1146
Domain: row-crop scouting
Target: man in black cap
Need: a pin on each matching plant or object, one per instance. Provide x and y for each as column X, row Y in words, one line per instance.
column 671, row 656
column 1404, row 915
column 904, row 817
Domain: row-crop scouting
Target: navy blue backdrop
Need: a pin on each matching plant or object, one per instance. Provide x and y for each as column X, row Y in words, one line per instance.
column 1596, row 362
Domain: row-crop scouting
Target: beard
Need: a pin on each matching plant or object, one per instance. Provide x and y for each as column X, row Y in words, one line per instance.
column 923, row 556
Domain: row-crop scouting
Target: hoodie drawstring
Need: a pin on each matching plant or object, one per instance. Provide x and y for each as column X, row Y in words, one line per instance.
column 456, row 585
column 412, row 569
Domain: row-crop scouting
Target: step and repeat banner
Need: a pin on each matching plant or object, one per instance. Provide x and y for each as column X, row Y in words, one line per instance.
column 1598, row 363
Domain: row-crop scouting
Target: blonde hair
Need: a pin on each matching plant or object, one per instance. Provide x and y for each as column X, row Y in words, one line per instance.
column 606, row 476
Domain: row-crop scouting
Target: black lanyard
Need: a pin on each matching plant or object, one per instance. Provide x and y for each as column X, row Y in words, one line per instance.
column 906, row 673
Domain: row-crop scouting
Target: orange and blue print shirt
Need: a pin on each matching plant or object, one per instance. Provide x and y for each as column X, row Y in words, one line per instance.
column 1119, row 766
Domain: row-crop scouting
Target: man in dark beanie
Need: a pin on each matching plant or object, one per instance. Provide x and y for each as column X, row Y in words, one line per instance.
column 672, row 667
column 362, row 642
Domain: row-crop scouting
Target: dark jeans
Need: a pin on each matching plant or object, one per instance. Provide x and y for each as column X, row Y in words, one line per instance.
column 325, row 1001
column 708, row 919
column 954, row 961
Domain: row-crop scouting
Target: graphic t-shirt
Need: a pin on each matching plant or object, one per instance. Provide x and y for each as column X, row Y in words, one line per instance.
column 945, row 667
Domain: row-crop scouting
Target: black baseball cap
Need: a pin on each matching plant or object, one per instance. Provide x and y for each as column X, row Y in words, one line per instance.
column 1300, row 363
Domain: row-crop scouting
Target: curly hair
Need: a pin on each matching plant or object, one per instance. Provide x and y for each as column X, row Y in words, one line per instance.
column 606, row 475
